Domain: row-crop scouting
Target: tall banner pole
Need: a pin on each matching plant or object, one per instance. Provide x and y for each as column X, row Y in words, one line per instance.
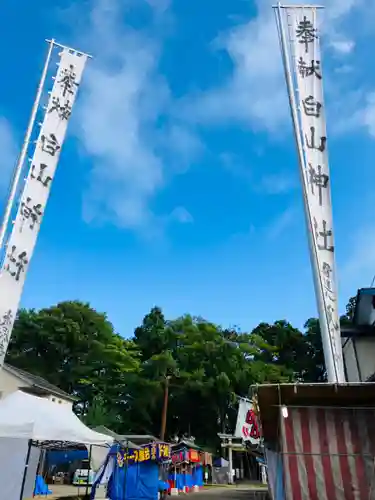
column 34, row 197
column 303, row 74
column 25, row 145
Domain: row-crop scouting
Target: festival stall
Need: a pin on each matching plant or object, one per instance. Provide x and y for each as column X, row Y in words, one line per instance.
column 187, row 467
column 26, row 421
column 130, row 473
column 319, row 439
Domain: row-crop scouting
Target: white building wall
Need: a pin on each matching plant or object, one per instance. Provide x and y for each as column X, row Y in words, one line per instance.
column 359, row 357
column 9, row 383
column 59, row 400
column 366, row 310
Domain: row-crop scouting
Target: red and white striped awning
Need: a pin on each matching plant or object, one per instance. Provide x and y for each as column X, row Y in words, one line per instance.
column 329, row 454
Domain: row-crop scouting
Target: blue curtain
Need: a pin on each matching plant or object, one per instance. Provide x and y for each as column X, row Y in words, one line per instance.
column 134, row 482
column 198, row 476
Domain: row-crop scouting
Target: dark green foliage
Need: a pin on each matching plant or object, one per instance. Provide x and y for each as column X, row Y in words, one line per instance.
column 120, row 383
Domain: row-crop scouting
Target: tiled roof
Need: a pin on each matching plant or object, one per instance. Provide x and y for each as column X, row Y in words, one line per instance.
column 38, row 382
column 117, row 437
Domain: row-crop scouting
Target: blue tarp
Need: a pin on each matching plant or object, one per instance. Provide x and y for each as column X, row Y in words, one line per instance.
column 221, row 462
column 130, row 480
column 163, row 486
column 180, row 481
column 135, row 481
column 63, row 457
column 275, row 474
column 198, row 476
column 41, row 487
column 189, row 480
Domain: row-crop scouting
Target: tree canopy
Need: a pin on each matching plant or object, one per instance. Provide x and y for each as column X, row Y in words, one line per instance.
column 119, row 381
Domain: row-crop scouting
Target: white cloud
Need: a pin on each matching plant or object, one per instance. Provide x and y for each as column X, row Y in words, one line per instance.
column 271, row 184
column 122, row 101
column 159, row 5
column 359, row 267
column 281, row 223
column 359, row 115
column 366, row 116
column 343, row 46
column 277, row 183
column 345, row 69
column 181, row 145
column 336, row 9
column 255, row 94
column 182, row 215
column 235, row 166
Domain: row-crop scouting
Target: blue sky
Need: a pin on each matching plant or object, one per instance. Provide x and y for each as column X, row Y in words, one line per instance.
column 178, row 182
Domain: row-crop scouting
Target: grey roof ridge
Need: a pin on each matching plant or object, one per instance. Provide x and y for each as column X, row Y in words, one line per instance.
column 38, row 381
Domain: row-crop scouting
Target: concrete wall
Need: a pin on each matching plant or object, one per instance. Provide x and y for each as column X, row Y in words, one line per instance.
column 359, row 358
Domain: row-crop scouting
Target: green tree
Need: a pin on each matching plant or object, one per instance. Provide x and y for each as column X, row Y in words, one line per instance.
column 348, row 317
column 120, row 383
column 74, row 347
column 151, row 337
column 209, row 367
column 315, row 370
column 314, row 358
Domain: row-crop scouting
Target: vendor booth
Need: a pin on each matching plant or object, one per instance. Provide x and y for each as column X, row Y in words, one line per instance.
column 132, row 473
column 319, row 440
column 26, row 422
column 186, row 471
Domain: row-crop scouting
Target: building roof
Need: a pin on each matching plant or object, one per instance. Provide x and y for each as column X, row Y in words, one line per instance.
column 139, row 438
column 38, row 382
column 185, row 443
column 132, row 440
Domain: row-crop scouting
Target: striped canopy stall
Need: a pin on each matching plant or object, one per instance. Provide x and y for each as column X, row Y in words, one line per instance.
column 324, row 436
column 328, row 454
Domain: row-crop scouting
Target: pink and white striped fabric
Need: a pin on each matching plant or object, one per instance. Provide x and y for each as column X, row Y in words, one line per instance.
column 329, row 454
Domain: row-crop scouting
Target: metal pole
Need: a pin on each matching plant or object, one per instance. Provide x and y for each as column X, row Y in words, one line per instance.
column 332, row 374
column 165, row 409
column 25, row 146
column 126, row 465
column 88, row 472
column 25, row 469
column 56, row 44
column 42, row 462
column 230, row 460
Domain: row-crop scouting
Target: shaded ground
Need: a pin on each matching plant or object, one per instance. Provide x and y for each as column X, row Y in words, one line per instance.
column 244, row 492
column 241, row 492
column 63, row 491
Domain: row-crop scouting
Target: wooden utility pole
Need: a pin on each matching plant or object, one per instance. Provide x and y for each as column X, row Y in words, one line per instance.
column 165, row 409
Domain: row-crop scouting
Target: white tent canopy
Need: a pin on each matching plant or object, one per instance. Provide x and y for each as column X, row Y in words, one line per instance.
column 30, row 417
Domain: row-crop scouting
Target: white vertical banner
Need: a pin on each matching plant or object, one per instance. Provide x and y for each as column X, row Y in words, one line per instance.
column 247, row 424
column 305, row 53
column 36, row 190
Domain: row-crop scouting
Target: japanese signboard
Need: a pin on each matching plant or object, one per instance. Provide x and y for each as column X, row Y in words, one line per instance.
column 305, row 46
column 150, row 452
column 247, row 424
column 36, row 191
